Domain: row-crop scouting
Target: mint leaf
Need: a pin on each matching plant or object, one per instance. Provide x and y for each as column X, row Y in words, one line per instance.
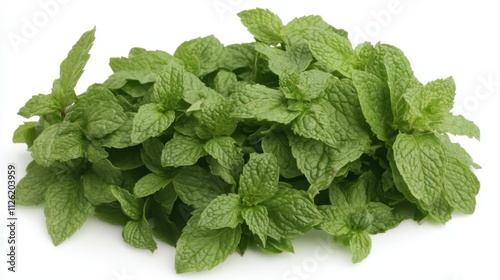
column 263, row 24
column 305, row 86
column 375, row 102
column 131, row 206
column 143, row 67
column 262, row 103
column 25, row 133
column 419, row 158
column 225, row 151
column 150, row 184
column 278, row 145
column 224, row 82
column 223, row 211
column 169, row 87
column 120, row 137
column 335, row 220
column 30, row 190
column 139, row 234
column 315, row 123
column 201, row 249
column 460, row 186
column 216, row 116
column 239, row 56
column 96, row 189
column 182, row 151
column 360, row 245
column 62, row 142
column 257, row 219
column 259, row 180
column 295, row 59
column 72, row 69
column 201, row 56
column 290, row 213
column 197, row 187
column 66, row 208
column 297, row 30
column 103, row 118
column 150, row 121
column 39, row 105
column 457, row 125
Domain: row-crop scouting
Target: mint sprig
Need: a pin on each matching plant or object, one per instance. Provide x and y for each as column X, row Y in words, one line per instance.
column 215, row 148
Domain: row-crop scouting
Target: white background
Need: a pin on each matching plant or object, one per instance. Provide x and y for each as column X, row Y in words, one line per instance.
column 440, row 38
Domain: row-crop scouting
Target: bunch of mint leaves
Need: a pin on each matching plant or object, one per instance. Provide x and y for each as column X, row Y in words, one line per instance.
column 217, row 148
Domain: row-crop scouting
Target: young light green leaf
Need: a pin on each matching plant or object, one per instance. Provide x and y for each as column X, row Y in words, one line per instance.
column 257, row 219
column 420, row 159
column 216, row 116
column 120, row 137
column 25, row 133
column 182, row 151
column 263, row 24
column 197, row 187
column 259, row 180
column 66, row 208
column 169, row 87
column 239, row 56
column 223, row 211
column 30, row 190
column 225, row 151
column 315, row 123
column 139, row 234
column 224, row 82
column 202, row 249
column 39, row 105
column 295, row 59
column 460, row 186
column 150, row 184
column 296, row 31
column 457, row 125
column 72, row 69
column 201, row 56
column 305, row 86
column 335, row 220
column 103, row 118
column 360, row 245
column 150, row 121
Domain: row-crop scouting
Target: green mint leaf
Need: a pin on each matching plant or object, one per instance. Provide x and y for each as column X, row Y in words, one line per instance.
column 224, row 82
column 225, row 151
column 197, row 186
column 150, row 121
column 140, row 235
column 150, row 184
column 62, row 141
column 182, row 151
column 332, row 49
column 66, row 208
column 337, row 197
column 169, row 87
column 120, row 137
column 315, row 123
column 96, row 189
column 305, row 86
column 103, row 118
column 195, row 90
column 457, row 125
column 72, row 69
column 111, row 213
column 400, row 79
column 278, row 145
column 456, row 151
column 201, row 56
column 30, row 190
column 126, row 159
column 460, row 186
column 295, row 59
column 296, row 31
column 216, row 116
column 143, row 67
column 335, row 220
column 263, row 24
column 383, row 217
column 257, row 219
column 223, row 211
column 229, row 176
column 239, row 56
column 440, row 209
column 259, row 180
column 202, row 249
column 25, row 133
column 39, row 105
column 376, row 65
column 360, row 245
column 419, row 158
column 290, row 213
column 262, row 103
column 151, row 156
column 375, row 102
column 131, row 206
